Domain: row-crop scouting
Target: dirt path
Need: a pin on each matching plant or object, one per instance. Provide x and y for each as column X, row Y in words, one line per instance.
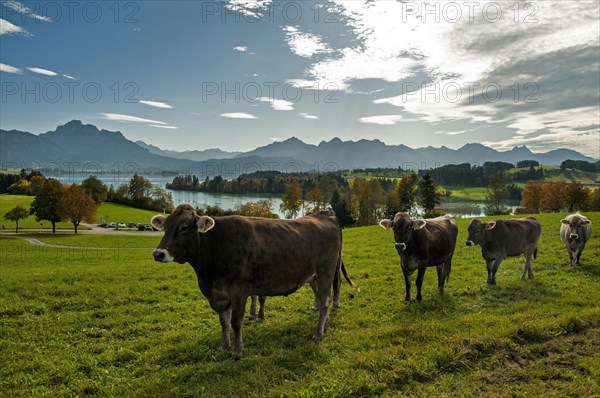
column 37, row 242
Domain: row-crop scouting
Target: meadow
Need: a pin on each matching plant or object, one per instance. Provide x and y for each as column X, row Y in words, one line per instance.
column 113, row 323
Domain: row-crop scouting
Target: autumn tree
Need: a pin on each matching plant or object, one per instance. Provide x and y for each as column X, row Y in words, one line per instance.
column 496, row 194
column 291, row 201
column 16, row 214
column 369, row 197
column 77, row 206
column 553, row 197
column 595, row 201
column 315, row 202
column 261, row 208
column 531, row 197
column 577, row 197
column 46, row 203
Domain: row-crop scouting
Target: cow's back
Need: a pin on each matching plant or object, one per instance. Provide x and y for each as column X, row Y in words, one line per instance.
column 273, row 257
column 441, row 234
column 514, row 236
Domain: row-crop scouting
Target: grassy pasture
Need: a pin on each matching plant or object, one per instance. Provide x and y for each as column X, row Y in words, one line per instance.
column 77, row 322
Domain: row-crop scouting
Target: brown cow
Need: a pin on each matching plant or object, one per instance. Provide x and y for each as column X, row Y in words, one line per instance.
column 235, row 257
column 421, row 244
column 575, row 231
column 505, row 238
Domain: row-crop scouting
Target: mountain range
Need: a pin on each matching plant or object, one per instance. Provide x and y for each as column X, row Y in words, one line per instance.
column 75, row 145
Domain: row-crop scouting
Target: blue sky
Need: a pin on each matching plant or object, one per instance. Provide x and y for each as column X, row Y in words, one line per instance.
column 240, row 74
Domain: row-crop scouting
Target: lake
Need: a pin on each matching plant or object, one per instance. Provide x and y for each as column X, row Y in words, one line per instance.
column 453, row 206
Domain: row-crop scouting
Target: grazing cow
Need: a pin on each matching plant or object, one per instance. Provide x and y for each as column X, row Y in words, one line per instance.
column 235, row 257
column 421, row 244
column 505, row 238
column 575, row 230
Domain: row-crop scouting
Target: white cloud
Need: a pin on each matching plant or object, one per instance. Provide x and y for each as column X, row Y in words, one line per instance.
column 69, row 77
column 164, row 127
column 249, row 8
column 451, row 132
column 381, row 119
column 9, row 69
column 117, row 117
column 156, row 104
column 304, row 44
column 238, row 115
column 308, row 116
column 242, row 49
column 7, row 28
column 279, row 104
column 42, row 71
column 274, row 139
column 23, row 9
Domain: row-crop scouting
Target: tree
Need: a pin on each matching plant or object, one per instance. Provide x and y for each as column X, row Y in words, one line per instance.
column 138, row 187
column 553, row 197
column 369, row 197
column 341, row 209
column 407, row 194
column 95, row 188
column 577, row 197
column 77, row 206
column 16, row 214
column 291, row 201
column 46, row 203
column 595, row 205
column 315, row 202
column 429, row 196
column 261, row 208
column 531, row 197
column 495, row 195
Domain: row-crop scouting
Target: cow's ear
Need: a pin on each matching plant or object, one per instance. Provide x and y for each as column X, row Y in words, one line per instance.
column 158, row 221
column 386, row 224
column 418, row 224
column 586, row 222
column 490, row 225
column 205, row 224
column 565, row 221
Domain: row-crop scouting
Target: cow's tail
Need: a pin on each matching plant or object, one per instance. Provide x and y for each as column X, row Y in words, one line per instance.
column 535, row 253
column 348, row 278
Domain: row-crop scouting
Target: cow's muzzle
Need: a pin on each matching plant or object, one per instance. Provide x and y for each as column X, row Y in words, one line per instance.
column 574, row 236
column 400, row 246
column 162, row 255
column 470, row 243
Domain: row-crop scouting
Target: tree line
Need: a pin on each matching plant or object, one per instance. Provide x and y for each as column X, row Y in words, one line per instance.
column 55, row 201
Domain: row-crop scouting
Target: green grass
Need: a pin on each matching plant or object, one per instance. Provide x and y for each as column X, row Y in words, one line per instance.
column 114, row 323
column 7, row 202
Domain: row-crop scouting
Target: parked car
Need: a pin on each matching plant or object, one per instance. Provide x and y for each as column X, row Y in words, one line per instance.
column 112, row 225
column 121, row 225
column 148, row 227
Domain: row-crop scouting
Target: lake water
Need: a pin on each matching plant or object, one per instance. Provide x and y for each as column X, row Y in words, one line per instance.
column 455, row 206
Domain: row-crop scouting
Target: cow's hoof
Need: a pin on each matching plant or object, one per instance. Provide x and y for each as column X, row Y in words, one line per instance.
column 260, row 319
column 251, row 317
column 317, row 336
column 236, row 356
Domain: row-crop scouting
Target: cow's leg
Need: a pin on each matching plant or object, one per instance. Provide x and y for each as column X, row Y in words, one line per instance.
column 407, row 285
column 420, row 276
column 225, row 319
column 253, row 308
column 495, row 269
column 571, row 256
column 315, row 289
column 324, row 282
column 441, row 277
column 238, row 306
column 527, row 269
column 261, row 312
column 490, row 267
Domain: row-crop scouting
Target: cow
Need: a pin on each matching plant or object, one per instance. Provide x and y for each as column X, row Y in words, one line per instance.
column 575, row 230
column 421, row 244
column 235, row 257
column 505, row 238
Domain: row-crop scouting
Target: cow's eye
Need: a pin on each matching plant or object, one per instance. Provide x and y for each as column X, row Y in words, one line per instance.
column 476, row 231
column 183, row 229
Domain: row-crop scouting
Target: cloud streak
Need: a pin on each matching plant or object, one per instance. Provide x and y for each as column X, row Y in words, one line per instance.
column 23, row 9
column 10, row 69
column 7, row 28
column 238, row 115
column 117, row 117
column 156, row 104
column 41, row 71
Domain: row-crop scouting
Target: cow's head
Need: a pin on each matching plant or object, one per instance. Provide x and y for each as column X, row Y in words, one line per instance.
column 477, row 231
column 181, row 234
column 575, row 226
column 403, row 227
